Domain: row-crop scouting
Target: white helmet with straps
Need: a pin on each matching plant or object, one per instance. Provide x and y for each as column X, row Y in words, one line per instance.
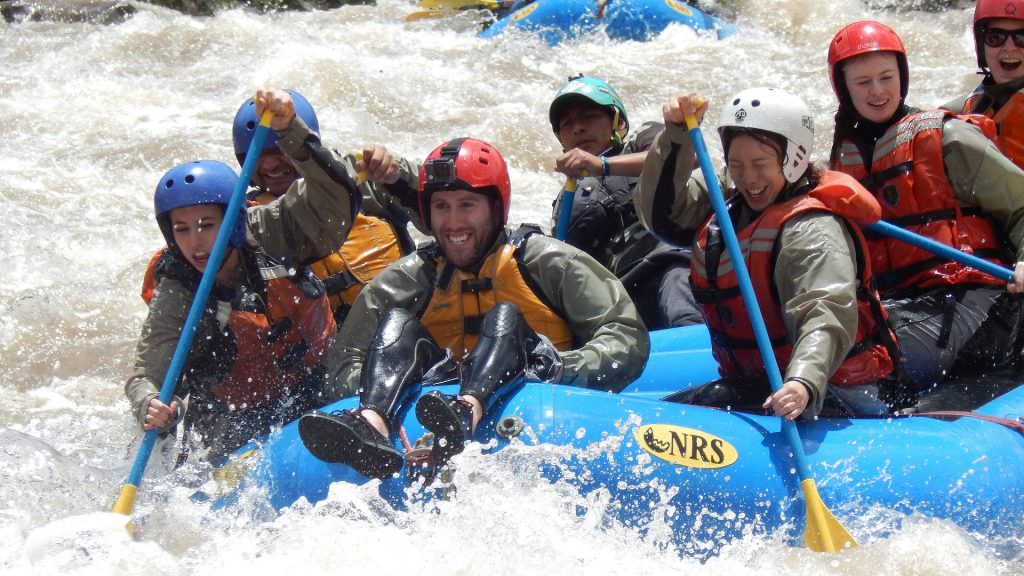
column 774, row 111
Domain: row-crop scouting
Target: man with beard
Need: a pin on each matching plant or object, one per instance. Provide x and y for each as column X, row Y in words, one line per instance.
column 488, row 304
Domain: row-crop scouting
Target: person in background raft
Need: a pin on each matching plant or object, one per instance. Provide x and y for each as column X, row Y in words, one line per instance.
column 939, row 175
column 499, row 304
column 257, row 357
column 590, row 121
column 999, row 43
column 379, row 234
column 805, row 254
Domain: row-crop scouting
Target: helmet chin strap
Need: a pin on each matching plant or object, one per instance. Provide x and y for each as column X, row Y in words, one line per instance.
column 617, row 133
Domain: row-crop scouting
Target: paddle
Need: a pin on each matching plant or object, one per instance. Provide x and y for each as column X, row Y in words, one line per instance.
column 360, row 175
column 823, row 532
column 462, row 4
column 565, row 209
column 126, row 498
column 428, row 14
column 943, row 250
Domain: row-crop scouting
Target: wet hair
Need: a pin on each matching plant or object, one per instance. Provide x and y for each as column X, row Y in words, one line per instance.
column 807, row 182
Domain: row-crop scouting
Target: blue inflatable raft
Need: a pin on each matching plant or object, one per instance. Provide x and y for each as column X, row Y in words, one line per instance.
column 714, row 475
column 559, row 20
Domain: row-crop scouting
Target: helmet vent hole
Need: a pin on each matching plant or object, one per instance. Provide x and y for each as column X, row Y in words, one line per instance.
column 735, row 101
column 169, row 183
column 755, row 103
column 190, row 179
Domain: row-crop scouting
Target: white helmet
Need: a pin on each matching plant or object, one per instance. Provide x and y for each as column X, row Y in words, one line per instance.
column 774, row 111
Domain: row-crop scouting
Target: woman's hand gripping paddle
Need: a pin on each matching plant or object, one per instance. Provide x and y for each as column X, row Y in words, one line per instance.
column 126, row 497
column 823, row 532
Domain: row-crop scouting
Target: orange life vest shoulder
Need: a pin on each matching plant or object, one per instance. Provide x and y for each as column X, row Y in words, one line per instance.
column 1009, row 122
column 716, row 288
column 460, row 299
column 372, row 245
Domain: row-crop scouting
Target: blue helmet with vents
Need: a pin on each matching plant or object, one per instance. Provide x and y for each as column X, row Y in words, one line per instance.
column 246, row 121
column 198, row 182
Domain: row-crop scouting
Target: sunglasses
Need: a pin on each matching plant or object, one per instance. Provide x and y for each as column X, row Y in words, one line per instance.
column 996, row 37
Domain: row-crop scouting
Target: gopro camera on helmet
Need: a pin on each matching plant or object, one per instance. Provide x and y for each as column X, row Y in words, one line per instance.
column 440, row 172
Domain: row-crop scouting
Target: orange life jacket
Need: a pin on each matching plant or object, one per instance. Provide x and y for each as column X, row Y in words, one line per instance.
column 716, row 288
column 460, row 299
column 908, row 177
column 371, row 246
column 279, row 327
column 1009, row 121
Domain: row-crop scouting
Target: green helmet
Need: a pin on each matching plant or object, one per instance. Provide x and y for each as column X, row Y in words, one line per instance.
column 597, row 91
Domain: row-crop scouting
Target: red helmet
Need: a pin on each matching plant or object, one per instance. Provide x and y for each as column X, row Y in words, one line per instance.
column 465, row 164
column 988, row 9
column 859, row 38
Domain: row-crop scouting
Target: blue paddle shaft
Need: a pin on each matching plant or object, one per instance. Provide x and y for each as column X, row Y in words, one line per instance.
column 764, row 345
column 565, row 209
column 220, row 246
column 940, row 249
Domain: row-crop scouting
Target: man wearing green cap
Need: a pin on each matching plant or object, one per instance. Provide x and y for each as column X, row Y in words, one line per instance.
column 591, row 124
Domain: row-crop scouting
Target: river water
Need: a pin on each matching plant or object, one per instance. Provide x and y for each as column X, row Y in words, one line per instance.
column 92, row 115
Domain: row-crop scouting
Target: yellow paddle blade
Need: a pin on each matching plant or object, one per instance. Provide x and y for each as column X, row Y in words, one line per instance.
column 429, row 14
column 125, row 500
column 125, row 503
column 462, row 4
column 824, row 533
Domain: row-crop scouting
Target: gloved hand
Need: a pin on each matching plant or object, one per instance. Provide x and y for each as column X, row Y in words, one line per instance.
column 543, row 361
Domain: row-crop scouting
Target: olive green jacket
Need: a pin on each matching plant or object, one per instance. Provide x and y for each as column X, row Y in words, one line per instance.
column 613, row 344
column 398, row 202
column 982, row 177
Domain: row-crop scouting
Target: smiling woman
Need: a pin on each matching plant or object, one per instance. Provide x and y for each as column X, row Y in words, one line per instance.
column 828, row 334
column 259, row 347
column 999, row 44
column 873, row 81
column 195, row 229
column 925, row 168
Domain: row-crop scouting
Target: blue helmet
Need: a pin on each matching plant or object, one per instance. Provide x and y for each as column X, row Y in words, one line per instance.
column 246, row 121
column 198, row 182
